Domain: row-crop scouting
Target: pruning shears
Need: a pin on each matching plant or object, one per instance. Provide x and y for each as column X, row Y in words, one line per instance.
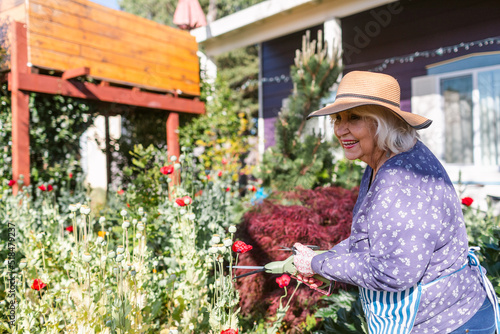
column 287, row 267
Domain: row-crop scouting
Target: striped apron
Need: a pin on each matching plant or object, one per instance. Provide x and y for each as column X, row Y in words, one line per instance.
column 395, row 312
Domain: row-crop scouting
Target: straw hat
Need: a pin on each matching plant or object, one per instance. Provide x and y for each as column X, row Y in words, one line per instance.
column 360, row 88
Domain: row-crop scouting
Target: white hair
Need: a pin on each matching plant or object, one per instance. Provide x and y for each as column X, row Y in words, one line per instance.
column 392, row 134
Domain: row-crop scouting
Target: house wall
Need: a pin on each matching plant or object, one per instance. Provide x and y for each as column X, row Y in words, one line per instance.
column 276, row 58
column 404, row 27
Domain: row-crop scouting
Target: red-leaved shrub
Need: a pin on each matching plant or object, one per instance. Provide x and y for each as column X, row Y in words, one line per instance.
column 320, row 217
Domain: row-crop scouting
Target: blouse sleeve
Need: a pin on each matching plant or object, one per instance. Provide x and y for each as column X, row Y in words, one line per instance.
column 402, row 228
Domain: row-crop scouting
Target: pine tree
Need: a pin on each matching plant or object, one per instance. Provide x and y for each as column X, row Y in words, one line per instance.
column 301, row 159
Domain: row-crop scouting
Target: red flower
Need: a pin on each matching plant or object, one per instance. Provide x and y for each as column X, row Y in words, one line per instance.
column 38, row 285
column 252, row 188
column 128, row 205
column 121, row 192
column 219, row 174
column 70, row 175
column 12, row 182
column 69, row 229
column 198, row 193
column 283, row 280
column 183, row 201
column 230, row 331
column 241, row 247
column 467, row 201
column 165, row 170
column 42, row 188
column 49, row 188
column 224, row 161
column 228, row 189
column 208, row 177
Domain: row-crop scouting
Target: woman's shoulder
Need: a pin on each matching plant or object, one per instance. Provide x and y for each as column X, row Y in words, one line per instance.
column 415, row 167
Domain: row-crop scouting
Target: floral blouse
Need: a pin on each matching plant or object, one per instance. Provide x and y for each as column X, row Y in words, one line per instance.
column 408, row 228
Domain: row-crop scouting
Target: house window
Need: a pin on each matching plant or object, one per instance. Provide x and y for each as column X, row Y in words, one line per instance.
column 457, row 108
column 471, row 110
column 488, row 83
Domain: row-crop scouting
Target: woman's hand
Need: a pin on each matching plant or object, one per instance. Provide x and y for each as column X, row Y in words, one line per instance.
column 310, row 280
column 302, row 259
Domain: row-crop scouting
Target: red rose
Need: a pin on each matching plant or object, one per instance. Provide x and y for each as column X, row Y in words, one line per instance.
column 467, row 201
column 49, row 188
column 12, row 182
column 219, row 174
column 230, row 331
column 283, row 280
column 241, row 247
column 42, row 188
column 165, row 170
column 69, row 229
column 38, row 285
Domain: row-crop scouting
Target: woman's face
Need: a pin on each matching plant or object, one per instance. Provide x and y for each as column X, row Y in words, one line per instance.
column 357, row 136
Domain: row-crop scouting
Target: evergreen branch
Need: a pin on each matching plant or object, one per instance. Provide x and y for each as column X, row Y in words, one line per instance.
column 306, row 168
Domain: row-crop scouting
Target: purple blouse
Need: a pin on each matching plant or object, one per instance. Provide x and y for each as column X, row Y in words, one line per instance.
column 407, row 228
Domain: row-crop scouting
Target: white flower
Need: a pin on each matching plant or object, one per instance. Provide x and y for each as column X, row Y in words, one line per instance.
column 39, row 236
column 123, row 213
column 102, row 219
column 215, row 239
column 104, row 243
column 177, row 166
column 173, row 158
column 182, row 211
column 191, row 216
column 140, row 226
column 125, row 224
column 191, row 327
column 78, row 205
column 187, row 200
column 84, row 210
column 141, row 211
column 228, row 242
column 232, row 229
column 99, row 240
column 134, row 221
column 155, row 263
column 144, row 219
column 86, row 257
column 72, row 207
column 138, row 235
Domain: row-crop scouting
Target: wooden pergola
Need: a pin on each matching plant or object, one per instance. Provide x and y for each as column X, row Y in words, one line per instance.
column 136, row 62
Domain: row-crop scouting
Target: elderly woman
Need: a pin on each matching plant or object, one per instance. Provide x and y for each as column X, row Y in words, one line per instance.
column 408, row 251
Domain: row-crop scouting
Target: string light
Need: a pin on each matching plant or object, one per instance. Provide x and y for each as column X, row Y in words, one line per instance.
column 435, row 52
column 275, row 79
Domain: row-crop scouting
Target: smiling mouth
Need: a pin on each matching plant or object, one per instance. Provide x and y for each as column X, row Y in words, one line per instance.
column 349, row 143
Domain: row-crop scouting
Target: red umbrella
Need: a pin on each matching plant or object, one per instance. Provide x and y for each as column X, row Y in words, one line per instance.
column 189, row 15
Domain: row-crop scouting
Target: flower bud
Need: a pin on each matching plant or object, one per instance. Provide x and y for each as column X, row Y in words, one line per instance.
column 102, row 219
column 228, row 242
column 232, row 229
column 86, row 257
column 72, row 207
column 141, row 210
column 126, row 224
column 111, row 255
column 138, row 235
column 215, row 239
column 140, row 226
column 123, row 213
column 134, row 221
column 120, row 249
column 173, row 158
column 23, row 264
column 119, row 258
column 99, row 240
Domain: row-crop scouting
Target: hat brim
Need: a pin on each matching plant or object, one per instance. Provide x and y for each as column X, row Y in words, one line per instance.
column 415, row 121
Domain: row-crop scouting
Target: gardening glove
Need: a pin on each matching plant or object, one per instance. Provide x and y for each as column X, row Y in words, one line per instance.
column 302, row 259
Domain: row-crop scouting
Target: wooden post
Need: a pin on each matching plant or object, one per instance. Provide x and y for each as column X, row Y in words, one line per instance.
column 108, row 153
column 173, row 140
column 20, row 107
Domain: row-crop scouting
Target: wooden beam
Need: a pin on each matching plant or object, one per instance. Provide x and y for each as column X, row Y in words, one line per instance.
column 173, row 146
column 75, row 73
column 20, row 107
column 47, row 84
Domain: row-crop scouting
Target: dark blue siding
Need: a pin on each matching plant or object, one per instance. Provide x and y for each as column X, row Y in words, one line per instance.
column 277, row 57
column 417, row 26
